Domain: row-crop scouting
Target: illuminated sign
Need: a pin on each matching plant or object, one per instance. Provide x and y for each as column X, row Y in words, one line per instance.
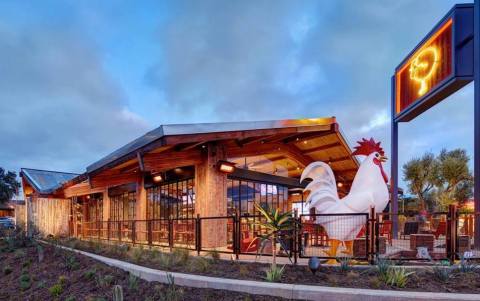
column 437, row 67
column 425, row 68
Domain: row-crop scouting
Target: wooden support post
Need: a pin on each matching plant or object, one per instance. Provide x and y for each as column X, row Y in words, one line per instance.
column 211, row 196
column 106, row 212
column 141, row 210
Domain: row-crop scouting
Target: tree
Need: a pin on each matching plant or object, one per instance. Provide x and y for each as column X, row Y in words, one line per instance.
column 439, row 181
column 275, row 223
column 455, row 183
column 421, row 175
column 8, row 185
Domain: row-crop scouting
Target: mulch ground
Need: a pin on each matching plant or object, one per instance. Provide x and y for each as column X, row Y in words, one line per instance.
column 64, row 275
column 422, row 279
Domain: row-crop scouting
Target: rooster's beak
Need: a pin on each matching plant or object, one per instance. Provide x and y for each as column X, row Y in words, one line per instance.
column 383, row 159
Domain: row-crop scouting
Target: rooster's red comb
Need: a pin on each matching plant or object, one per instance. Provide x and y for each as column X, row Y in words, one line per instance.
column 366, row 147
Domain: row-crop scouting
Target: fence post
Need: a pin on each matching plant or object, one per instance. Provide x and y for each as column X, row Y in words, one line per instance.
column 149, row 232
column 372, row 237
column 198, row 235
column 134, row 229
column 451, row 237
column 108, row 230
column 236, row 235
column 170, row 233
column 294, row 238
column 98, row 229
column 119, row 231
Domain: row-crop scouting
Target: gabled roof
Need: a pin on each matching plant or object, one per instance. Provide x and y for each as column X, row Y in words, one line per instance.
column 45, row 181
column 155, row 136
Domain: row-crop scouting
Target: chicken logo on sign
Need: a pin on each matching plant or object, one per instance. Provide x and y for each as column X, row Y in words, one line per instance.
column 369, row 189
column 423, row 67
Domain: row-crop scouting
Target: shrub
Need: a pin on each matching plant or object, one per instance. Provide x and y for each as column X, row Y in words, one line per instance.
column 132, row 282
column 7, row 270
column 442, row 272
column 56, row 290
column 62, row 280
column 165, row 260
column 137, row 254
column 397, row 277
column 105, row 281
column 24, row 282
column 274, row 273
column 26, row 264
column 243, row 270
column 172, row 293
column 41, row 284
column 71, row 261
column 382, row 266
column 214, row 254
column 200, row 264
column 117, row 293
column 90, row 274
column 345, row 264
column 70, row 298
column 19, row 254
column 180, row 256
column 375, row 282
column 466, row 265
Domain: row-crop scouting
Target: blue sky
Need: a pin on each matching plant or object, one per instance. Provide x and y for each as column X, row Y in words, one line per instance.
column 81, row 78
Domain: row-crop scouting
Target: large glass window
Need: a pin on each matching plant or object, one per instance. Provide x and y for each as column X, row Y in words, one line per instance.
column 95, row 207
column 122, row 206
column 242, row 194
column 173, row 199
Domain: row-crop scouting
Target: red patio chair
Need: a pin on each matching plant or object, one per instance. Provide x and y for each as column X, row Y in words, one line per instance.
column 386, row 230
column 441, row 229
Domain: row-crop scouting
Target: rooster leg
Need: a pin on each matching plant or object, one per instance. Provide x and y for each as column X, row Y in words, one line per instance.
column 349, row 247
column 333, row 251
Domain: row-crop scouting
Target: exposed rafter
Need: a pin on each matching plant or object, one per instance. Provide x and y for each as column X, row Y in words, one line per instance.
column 322, row 148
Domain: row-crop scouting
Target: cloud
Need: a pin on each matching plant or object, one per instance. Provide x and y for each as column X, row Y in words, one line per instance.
column 59, row 109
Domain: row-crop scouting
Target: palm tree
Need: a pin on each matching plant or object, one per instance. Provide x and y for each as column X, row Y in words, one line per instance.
column 273, row 224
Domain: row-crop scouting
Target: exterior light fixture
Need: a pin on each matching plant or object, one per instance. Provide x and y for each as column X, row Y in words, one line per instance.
column 157, row 178
column 225, row 166
column 340, row 184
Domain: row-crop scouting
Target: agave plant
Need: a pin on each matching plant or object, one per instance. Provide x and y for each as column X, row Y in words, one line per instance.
column 274, row 222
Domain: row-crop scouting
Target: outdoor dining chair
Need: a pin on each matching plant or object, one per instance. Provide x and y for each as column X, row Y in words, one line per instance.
column 409, row 228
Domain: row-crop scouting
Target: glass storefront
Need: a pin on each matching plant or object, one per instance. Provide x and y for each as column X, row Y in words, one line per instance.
column 122, row 206
column 174, row 199
column 242, row 194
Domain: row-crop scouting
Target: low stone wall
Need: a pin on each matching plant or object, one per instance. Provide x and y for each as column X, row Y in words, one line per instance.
column 288, row 291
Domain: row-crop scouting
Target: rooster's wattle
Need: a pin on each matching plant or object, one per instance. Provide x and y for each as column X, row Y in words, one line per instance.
column 369, row 189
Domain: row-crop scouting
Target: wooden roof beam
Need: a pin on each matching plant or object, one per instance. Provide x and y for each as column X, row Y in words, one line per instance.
column 294, row 153
column 308, row 135
column 322, row 148
column 189, row 146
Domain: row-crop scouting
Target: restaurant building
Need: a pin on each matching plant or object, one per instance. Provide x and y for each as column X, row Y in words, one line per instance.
column 180, row 172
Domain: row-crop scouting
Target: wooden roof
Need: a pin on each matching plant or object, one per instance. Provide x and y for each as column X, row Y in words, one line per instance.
column 280, row 147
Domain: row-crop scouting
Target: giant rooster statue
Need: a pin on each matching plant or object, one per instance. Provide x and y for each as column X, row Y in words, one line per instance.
column 369, row 189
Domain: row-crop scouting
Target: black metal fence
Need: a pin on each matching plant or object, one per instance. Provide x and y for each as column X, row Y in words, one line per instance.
column 360, row 236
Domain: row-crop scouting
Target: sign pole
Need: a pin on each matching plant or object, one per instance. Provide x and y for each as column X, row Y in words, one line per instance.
column 394, row 166
column 476, row 122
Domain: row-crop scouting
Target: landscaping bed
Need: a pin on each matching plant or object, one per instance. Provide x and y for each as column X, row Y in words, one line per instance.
column 434, row 279
column 33, row 271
